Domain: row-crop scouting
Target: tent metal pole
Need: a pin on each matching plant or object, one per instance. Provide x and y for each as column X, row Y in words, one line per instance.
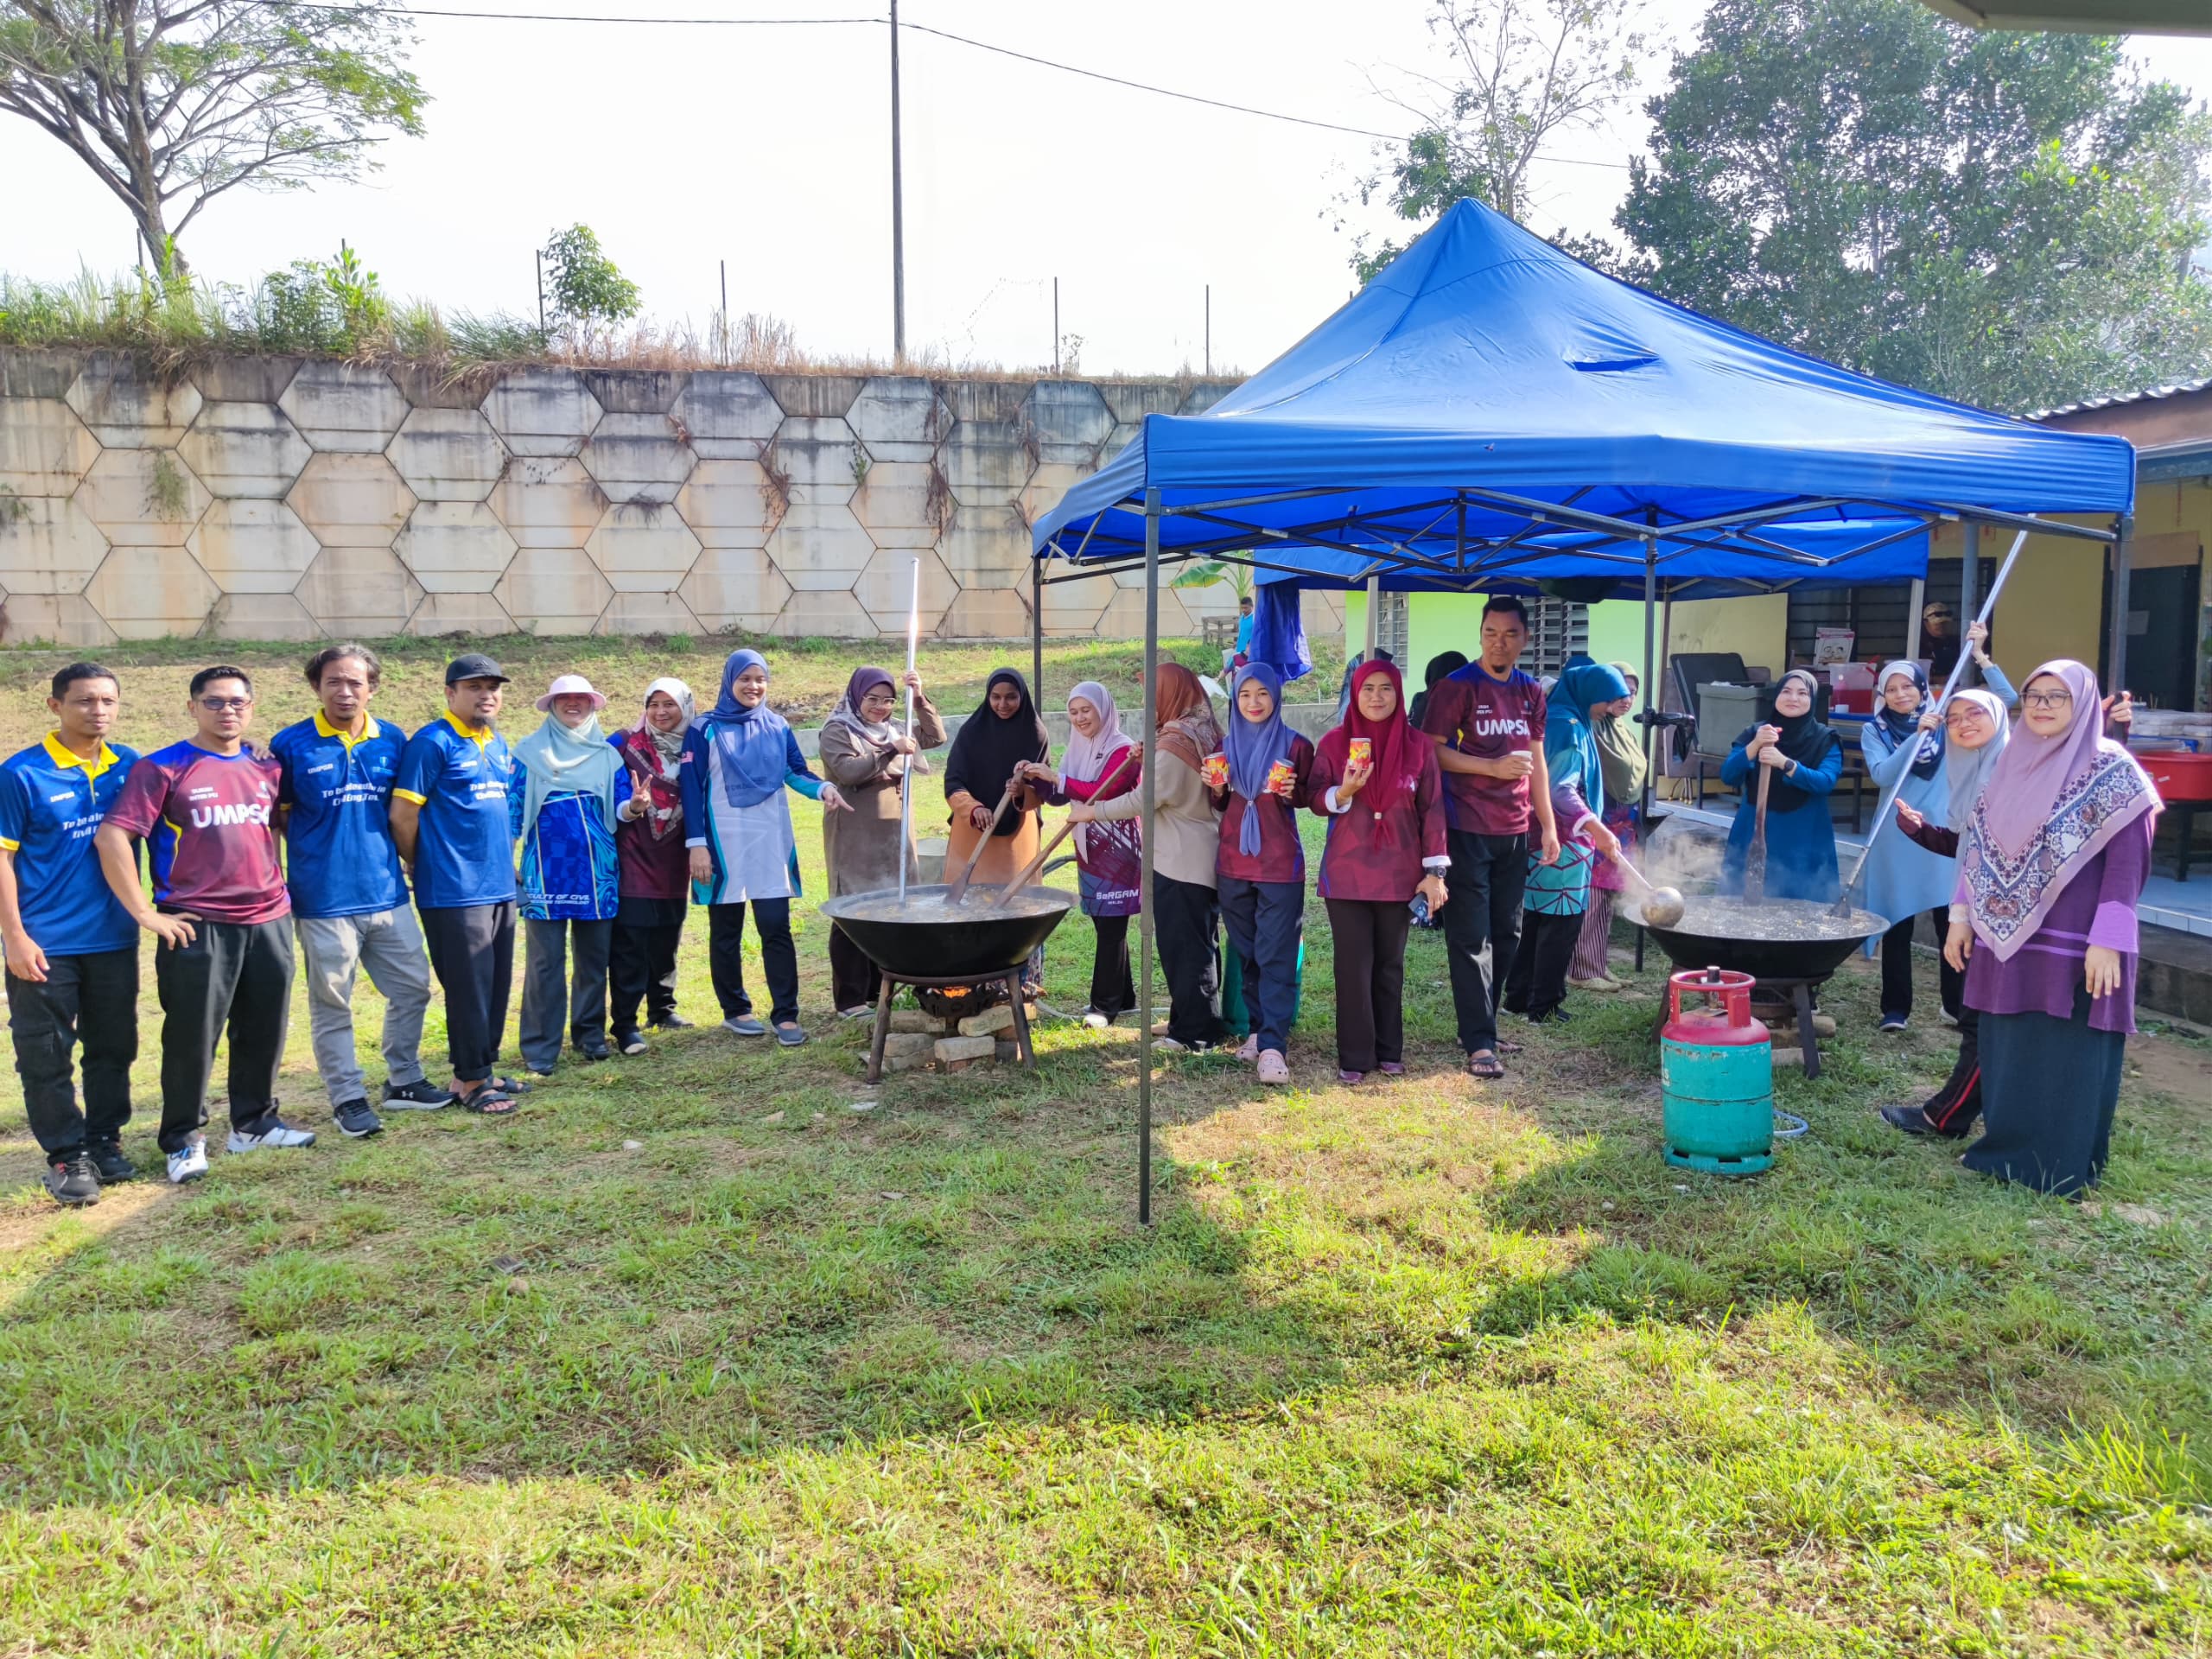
column 2122, row 560
column 1037, row 631
column 1374, row 615
column 1912, row 619
column 1149, row 801
column 1969, row 588
column 1650, row 727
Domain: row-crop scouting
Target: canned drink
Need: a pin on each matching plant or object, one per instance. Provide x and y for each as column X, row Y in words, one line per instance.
column 1363, row 751
column 1281, row 775
column 1217, row 771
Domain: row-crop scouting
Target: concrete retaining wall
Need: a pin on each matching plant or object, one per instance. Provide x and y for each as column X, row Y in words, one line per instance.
column 282, row 499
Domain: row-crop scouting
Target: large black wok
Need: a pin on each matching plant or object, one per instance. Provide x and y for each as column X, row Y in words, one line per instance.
column 1781, row 939
column 971, row 941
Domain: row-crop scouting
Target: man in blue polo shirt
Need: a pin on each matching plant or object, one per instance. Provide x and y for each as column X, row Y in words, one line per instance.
column 349, row 895
column 72, row 950
column 449, row 818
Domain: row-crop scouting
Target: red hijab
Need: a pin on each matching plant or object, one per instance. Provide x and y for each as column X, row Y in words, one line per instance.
column 1399, row 750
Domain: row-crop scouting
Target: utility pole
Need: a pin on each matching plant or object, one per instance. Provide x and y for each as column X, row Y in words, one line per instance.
column 1056, row 324
column 898, row 214
column 1209, row 330
column 722, row 354
column 541, row 290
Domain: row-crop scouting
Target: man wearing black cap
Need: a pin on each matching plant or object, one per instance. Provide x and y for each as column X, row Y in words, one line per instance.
column 449, row 817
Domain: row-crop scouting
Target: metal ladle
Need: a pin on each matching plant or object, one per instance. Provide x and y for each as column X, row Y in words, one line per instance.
column 1662, row 906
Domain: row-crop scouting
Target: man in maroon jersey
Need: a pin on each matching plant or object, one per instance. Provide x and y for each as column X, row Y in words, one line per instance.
column 206, row 808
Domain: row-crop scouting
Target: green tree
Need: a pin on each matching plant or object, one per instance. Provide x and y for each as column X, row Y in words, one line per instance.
column 1519, row 71
column 171, row 103
column 2006, row 219
column 586, row 289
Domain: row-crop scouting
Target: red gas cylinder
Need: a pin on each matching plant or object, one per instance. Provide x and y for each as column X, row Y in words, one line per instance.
column 1716, row 1076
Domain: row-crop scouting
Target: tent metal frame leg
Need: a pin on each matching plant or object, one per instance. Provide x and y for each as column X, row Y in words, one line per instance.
column 1147, row 814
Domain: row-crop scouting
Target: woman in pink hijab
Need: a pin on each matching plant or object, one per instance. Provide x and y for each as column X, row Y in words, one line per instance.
column 2051, row 867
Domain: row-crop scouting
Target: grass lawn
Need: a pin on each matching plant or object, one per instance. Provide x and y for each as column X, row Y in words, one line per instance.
column 716, row 1351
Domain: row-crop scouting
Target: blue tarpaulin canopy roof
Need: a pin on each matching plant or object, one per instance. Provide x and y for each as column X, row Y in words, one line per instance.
column 1488, row 410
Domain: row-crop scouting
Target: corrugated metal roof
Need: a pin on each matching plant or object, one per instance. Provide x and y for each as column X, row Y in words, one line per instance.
column 2119, row 398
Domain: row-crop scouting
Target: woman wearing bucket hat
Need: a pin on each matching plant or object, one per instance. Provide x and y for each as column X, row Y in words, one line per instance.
column 574, row 788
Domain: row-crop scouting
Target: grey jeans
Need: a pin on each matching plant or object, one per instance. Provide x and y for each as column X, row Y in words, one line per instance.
column 551, row 989
column 333, row 949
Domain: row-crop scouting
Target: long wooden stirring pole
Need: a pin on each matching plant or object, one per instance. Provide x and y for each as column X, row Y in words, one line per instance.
column 1029, row 871
column 906, row 778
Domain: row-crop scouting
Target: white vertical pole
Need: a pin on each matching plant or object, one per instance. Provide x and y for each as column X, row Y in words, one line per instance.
column 906, row 778
column 1147, row 798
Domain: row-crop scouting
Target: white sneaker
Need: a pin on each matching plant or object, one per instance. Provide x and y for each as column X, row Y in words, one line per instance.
column 191, row 1163
column 1097, row 1021
column 278, row 1134
column 1598, row 982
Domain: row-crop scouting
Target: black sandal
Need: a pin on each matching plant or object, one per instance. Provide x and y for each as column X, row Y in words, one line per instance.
column 509, row 1086
column 1486, row 1066
column 490, row 1100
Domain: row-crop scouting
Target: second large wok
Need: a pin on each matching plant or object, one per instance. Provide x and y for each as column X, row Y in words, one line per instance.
column 925, row 939
column 1781, row 939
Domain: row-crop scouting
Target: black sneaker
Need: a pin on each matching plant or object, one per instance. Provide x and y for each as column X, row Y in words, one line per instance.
column 356, row 1119
column 594, row 1056
column 672, row 1022
column 420, row 1096
column 70, row 1179
column 111, row 1166
column 630, row 1043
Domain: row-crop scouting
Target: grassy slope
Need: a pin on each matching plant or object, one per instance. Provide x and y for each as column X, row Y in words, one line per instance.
column 1409, row 1369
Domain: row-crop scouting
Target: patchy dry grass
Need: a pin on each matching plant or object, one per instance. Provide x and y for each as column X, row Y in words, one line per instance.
column 1421, row 1368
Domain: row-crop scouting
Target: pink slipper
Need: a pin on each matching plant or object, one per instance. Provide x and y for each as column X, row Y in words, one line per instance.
column 1391, row 1069
column 1348, row 1077
column 1272, row 1067
column 1250, row 1051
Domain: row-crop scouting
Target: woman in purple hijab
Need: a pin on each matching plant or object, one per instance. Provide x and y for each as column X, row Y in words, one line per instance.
column 2051, row 867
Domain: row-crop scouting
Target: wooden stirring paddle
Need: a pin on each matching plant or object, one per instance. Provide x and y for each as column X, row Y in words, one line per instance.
column 958, row 891
column 1029, row 873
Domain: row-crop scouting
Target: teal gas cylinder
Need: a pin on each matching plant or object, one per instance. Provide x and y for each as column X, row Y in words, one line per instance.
column 1716, row 1076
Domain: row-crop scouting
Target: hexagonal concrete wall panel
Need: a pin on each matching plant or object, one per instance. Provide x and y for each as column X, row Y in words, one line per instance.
column 54, row 619
column 30, row 372
column 1051, row 480
column 142, row 498
column 633, row 615
column 128, row 408
column 241, row 448
column 988, row 548
column 260, row 616
column 47, row 545
column 981, row 614
column 1132, row 400
column 636, row 391
column 735, row 587
column 1123, row 617
column 1205, row 396
column 823, row 615
column 820, row 549
column 541, row 411
column 1070, row 420
column 449, row 614
column 900, row 418
column 448, row 454
column 1073, row 608
column 728, row 504
column 893, row 504
column 1118, row 440
column 255, row 547
column 886, row 587
column 245, row 379
column 823, row 396
column 986, row 463
column 44, row 448
column 359, row 590
column 818, row 456
column 147, row 592
column 643, row 549
column 455, row 547
column 730, row 415
column 344, row 407
column 554, row 590
column 351, row 500
column 548, row 503
column 638, row 459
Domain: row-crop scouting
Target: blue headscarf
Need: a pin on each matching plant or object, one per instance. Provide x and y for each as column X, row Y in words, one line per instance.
column 752, row 745
column 1571, row 751
column 1253, row 747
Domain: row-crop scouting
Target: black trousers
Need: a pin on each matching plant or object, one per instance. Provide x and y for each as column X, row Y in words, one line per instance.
column 642, row 968
column 473, row 952
column 91, row 999
column 1896, row 968
column 1186, row 924
column 855, row 982
column 233, row 977
column 772, row 920
column 1369, row 943
column 1113, row 989
column 1536, row 983
column 1481, row 927
column 1952, row 1109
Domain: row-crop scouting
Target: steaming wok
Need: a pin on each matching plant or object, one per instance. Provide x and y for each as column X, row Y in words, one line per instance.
column 1782, row 938
column 925, row 939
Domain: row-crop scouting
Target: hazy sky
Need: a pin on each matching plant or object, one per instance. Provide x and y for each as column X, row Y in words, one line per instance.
column 769, row 147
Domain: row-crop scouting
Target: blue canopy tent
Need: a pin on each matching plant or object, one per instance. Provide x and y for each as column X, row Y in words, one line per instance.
column 1489, row 412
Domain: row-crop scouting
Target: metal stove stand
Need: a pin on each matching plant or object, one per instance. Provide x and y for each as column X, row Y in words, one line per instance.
column 1011, row 979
